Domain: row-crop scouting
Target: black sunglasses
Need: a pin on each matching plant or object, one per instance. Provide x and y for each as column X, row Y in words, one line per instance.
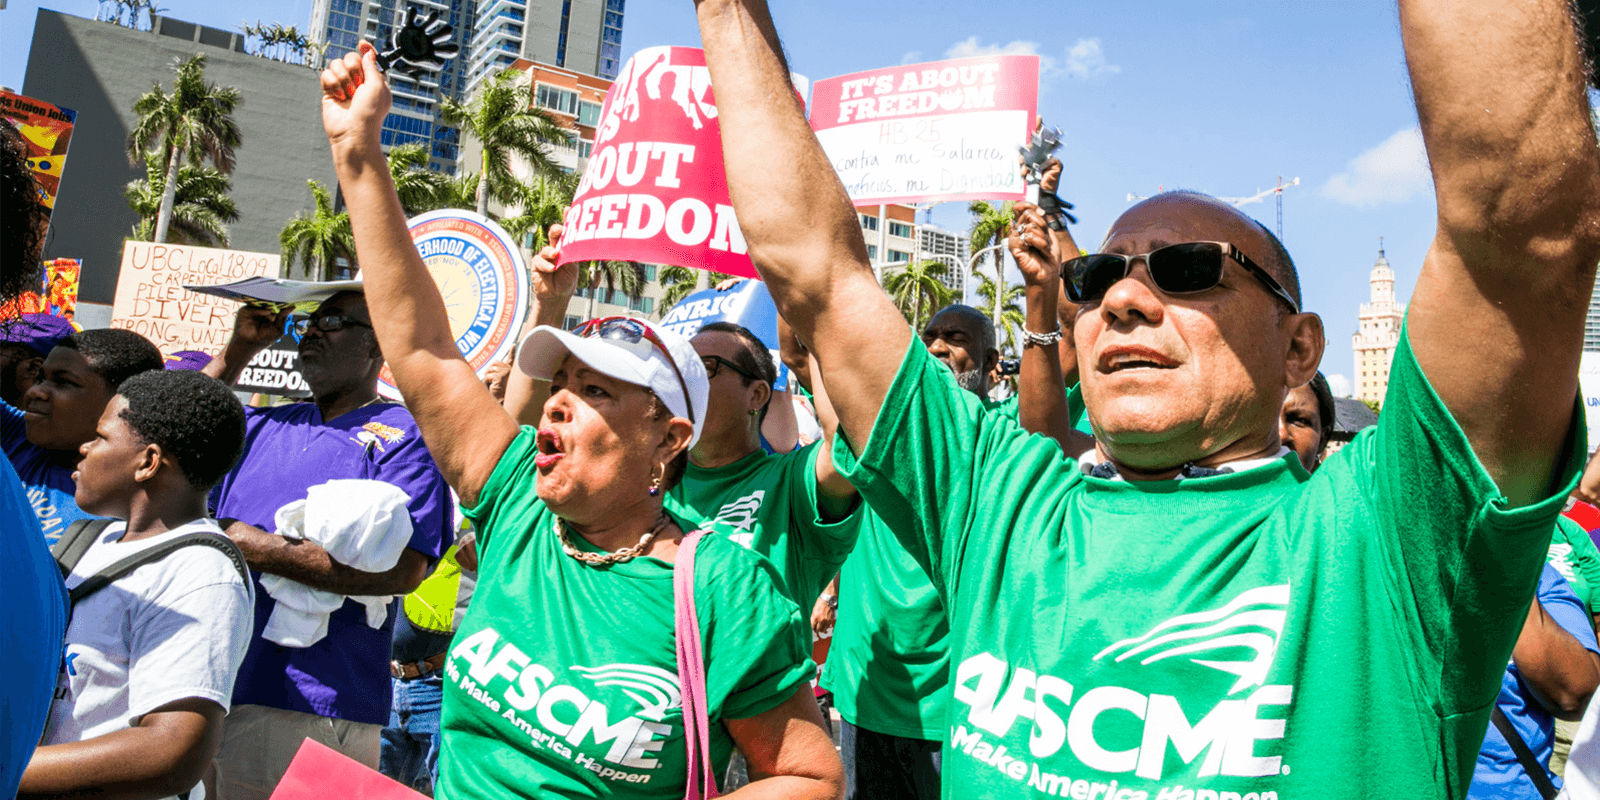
column 714, row 364
column 1183, row 268
column 327, row 324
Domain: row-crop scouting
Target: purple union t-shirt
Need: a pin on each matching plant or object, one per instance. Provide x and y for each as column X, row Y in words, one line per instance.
column 289, row 449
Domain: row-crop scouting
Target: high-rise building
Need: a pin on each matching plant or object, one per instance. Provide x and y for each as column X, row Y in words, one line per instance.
column 99, row 69
column 1378, row 334
column 584, row 36
column 414, row 116
column 953, row 249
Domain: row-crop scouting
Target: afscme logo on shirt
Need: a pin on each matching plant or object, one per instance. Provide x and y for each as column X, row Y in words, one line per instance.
column 739, row 517
column 1231, row 739
column 560, row 717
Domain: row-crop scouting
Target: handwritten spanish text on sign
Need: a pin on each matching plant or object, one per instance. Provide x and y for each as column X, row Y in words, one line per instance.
column 152, row 302
column 945, row 130
column 655, row 189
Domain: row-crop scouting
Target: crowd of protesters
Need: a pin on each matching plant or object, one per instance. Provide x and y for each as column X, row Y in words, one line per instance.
column 601, row 570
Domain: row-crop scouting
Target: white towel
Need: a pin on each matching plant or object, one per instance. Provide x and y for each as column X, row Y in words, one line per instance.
column 362, row 524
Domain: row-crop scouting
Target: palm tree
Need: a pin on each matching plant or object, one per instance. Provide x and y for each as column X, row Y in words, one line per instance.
column 990, row 226
column 502, row 118
column 625, row 275
column 200, row 211
column 1010, row 313
column 317, row 239
column 193, row 123
column 420, row 188
column 918, row 290
column 678, row 283
column 539, row 203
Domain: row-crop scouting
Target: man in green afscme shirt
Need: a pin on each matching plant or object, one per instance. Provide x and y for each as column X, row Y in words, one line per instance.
column 1187, row 614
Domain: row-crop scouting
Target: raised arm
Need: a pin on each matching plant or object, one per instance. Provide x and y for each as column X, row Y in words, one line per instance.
column 1041, row 386
column 1496, row 321
column 463, row 425
column 551, row 289
column 802, row 231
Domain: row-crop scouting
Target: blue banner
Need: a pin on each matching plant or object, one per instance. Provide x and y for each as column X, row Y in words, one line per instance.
column 747, row 303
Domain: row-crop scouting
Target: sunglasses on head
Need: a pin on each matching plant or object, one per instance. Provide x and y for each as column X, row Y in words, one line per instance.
column 637, row 338
column 1183, row 268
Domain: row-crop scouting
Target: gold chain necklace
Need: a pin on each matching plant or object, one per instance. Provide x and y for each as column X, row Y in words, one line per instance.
column 607, row 559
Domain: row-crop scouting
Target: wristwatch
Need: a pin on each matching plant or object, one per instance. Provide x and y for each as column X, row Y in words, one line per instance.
column 832, row 600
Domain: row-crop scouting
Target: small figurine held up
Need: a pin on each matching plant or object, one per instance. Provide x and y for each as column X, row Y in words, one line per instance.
column 417, row 44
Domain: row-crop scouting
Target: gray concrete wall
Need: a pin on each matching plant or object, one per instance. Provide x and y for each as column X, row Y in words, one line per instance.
column 99, row 69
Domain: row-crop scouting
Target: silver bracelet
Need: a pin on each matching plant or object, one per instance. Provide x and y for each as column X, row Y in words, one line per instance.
column 832, row 600
column 1040, row 339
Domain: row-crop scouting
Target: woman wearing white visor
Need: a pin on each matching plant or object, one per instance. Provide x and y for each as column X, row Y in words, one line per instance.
column 563, row 678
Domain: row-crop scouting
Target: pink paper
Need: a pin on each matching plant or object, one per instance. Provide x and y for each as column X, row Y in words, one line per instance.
column 320, row 772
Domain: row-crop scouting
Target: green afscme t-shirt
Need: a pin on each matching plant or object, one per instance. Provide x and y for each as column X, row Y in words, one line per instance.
column 768, row 503
column 1262, row 633
column 562, row 680
column 1574, row 555
column 889, row 664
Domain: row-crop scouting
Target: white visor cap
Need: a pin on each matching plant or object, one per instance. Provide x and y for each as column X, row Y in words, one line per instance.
column 638, row 362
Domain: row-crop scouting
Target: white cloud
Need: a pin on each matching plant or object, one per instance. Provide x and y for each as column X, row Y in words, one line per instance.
column 970, row 48
column 1394, row 171
column 1082, row 61
column 911, row 57
column 1339, row 385
column 1085, row 60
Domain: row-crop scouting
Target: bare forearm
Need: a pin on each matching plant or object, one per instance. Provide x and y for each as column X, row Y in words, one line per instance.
column 787, row 788
column 1041, row 389
column 1500, row 93
column 801, row 228
column 524, row 395
column 132, row 764
column 306, row 562
column 1561, row 671
column 230, row 364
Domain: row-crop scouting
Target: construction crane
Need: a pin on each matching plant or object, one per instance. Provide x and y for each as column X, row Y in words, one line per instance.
column 1255, row 198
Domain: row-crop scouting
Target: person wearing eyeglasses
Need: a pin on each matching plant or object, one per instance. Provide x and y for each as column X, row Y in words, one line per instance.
column 337, row 690
column 563, row 678
column 1187, row 610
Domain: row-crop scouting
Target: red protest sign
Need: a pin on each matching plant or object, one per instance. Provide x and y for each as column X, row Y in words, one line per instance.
column 319, row 771
column 945, row 130
column 655, row 189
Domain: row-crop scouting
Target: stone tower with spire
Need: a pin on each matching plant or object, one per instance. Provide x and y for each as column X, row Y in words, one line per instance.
column 1378, row 333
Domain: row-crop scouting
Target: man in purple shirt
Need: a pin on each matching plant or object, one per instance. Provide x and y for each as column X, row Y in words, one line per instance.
column 336, row 691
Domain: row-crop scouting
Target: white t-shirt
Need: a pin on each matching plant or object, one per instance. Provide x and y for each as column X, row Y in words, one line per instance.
column 172, row 629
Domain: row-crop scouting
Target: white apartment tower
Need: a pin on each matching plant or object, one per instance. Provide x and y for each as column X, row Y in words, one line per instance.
column 1378, row 333
column 583, row 36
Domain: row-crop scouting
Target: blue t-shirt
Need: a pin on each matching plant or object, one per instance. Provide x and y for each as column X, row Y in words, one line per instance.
column 47, row 485
column 1498, row 775
column 33, row 614
column 288, row 450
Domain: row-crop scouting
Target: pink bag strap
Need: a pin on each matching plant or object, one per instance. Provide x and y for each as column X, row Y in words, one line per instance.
column 692, row 674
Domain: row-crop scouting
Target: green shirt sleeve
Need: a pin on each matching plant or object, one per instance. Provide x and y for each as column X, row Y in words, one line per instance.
column 509, row 490
column 824, row 545
column 1467, row 563
column 945, row 475
column 753, row 634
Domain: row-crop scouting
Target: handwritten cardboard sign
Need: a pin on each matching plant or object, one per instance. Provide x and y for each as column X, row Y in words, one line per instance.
column 655, row 189
column 152, row 302
column 944, row 130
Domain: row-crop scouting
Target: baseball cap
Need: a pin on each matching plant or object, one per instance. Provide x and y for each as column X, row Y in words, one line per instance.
column 38, row 332
column 631, row 350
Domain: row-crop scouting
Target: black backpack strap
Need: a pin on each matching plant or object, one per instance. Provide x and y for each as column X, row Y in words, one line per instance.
column 1525, row 757
column 105, row 577
column 75, row 541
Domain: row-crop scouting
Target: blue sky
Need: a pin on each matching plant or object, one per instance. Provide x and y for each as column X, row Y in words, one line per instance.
column 1218, row 97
